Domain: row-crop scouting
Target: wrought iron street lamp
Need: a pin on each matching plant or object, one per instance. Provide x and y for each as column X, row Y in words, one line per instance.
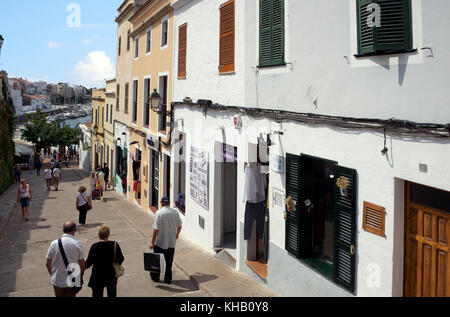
column 155, row 100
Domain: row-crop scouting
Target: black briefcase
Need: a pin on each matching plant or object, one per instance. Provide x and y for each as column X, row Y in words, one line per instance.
column 153, row 262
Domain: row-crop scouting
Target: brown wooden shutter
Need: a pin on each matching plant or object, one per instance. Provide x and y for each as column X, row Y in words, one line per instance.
column 182, row 44
column 227, row 31
column 374, row 218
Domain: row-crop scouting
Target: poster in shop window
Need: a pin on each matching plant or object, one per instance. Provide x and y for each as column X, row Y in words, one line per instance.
column 199, row 180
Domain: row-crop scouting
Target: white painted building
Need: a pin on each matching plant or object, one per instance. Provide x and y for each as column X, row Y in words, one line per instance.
column 85, row 147
column 16, row 95
column 324, row 102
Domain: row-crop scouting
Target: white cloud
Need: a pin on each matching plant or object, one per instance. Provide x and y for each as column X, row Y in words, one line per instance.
column 96, row 68
column 52, row 45
column 87, row 41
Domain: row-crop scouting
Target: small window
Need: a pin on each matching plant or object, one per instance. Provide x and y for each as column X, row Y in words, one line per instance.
column 384, row 26
column 120, row 45
column 149, row 42
column 136, row 48
column 164, row 33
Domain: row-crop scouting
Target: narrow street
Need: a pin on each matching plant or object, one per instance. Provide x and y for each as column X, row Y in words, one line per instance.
column 23, row 245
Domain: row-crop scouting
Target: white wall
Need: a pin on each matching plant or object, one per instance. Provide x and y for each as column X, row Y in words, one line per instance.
column 325, row 78
column 380, row 180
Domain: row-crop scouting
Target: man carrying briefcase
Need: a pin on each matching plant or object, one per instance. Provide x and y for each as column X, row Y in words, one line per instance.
column 166, row 229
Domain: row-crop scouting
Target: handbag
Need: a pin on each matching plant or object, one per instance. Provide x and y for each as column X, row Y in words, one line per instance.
column 118, row 269
column 75, row 289
column 89, row 206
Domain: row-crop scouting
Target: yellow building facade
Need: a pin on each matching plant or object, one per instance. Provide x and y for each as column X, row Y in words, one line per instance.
column 110, row 111
column 121, row 175
column 152, row 50
column 98, row 131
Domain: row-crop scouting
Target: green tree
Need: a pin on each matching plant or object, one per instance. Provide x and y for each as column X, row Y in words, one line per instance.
column 42, row 133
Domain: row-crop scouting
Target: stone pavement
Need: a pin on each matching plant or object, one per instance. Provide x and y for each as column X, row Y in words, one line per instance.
column 23, row 246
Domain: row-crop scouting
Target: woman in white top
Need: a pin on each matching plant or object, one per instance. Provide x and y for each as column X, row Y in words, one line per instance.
column 83, row 204
column 24, row 195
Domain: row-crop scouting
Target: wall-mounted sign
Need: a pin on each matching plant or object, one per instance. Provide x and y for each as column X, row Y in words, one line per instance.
column 199, row 177
column 277, row 164
column 153, row 142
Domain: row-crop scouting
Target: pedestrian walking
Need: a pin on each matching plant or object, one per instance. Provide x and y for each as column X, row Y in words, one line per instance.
column 57, row 176
column 166, row 229
column 38, row 166
column 83, row 204
column 24, row 196
column 47, row 177
column 52, row 164
column 17, row 173
column 101, row 257
column 105, row 171
column 66, row 249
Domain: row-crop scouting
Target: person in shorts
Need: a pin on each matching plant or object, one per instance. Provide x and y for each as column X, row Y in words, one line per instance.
column 57, row 173
column 24, row 195
column 47, row 176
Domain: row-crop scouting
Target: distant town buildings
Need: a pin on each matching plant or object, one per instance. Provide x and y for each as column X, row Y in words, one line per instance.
column 29, row 96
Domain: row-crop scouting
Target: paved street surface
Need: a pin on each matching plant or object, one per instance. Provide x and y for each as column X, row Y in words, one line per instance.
column 23, row 246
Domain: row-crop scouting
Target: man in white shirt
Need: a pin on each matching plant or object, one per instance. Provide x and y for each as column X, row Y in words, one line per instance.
column 57, row 173
column 47, row 176
column 56, row 267
column 166, row 229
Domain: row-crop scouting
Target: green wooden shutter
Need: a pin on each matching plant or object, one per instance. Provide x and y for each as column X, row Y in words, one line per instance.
column 292, row 190
column 395, row 33
column 271, row 27
column 345, row 228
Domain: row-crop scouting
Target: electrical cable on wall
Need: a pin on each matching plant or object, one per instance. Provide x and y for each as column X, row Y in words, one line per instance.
column 400, row 127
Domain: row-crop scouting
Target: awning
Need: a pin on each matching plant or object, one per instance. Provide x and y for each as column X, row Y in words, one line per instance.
column 23, row 147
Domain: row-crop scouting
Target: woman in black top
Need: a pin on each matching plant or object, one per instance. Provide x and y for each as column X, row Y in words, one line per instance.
column 101, row 257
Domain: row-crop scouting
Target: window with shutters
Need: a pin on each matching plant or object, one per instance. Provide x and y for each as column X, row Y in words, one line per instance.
column 227, row 38
column 128, row 39
column 162, row 116
column 127, row 88
column 118, row 98
column 136, row 47
column 384, row 27
column 164, row 32
column 271, row 33
column 135, row 97
column 148, row 46
column 147, row 90
column 321, row 223
column 182, row 46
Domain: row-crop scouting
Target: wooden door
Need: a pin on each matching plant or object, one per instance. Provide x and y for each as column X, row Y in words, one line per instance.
column 427, row 261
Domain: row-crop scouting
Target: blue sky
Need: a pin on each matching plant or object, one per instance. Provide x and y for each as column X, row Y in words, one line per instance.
column 43, row 40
